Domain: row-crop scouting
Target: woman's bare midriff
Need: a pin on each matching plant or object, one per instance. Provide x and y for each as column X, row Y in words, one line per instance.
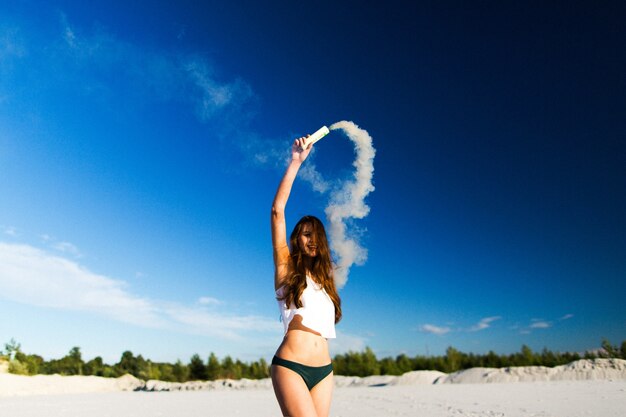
column 303, row 345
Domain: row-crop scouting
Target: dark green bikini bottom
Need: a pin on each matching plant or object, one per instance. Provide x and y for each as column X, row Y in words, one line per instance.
column 312, row 375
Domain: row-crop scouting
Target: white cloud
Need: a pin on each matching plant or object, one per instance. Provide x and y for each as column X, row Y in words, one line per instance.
column 169, row 75
column 430, row 328
column 209, row 301
column 11, row 231
column 484, row 323
column 11, row 44
column 200, row 321
column 543, row 324
column 36, row 277
column 540, row 324
column 67, row 247
column 68, row 33
column 213, row 94
column 33, row 276
column 61, row 246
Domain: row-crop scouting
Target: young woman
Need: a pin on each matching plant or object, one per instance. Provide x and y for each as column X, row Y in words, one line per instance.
column 302, row 373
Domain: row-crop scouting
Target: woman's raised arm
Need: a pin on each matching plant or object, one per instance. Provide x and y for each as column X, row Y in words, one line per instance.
column 279, row 228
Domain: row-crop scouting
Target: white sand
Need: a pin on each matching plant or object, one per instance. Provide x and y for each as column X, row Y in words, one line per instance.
column 18, row 385
column 584, row 388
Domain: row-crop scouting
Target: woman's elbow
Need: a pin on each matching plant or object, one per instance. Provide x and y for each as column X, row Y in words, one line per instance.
column 277, row 210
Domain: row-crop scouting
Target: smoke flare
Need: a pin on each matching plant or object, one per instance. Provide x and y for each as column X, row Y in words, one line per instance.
column 348, row 202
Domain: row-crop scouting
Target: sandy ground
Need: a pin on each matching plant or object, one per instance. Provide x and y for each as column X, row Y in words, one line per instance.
column 536, row 399
column 580, row 389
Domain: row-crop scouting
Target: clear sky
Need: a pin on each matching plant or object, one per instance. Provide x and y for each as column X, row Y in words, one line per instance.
column 141, row 144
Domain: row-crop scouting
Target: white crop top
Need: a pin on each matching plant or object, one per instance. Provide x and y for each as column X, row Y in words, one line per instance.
column 317, row 311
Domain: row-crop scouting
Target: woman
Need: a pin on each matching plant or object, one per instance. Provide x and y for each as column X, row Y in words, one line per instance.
column 302, row 372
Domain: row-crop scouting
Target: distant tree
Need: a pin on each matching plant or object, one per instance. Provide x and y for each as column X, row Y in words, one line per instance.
column 70, row 364
column 180, row 372
column 128, row 364
column 109, row 371
column 422, row 363
column 143, row 368
column 197, row 368
column 527, row 356
column 389, row 367
column 261, row 369
column 213, row 368
column 18, row 368
column 230, row 369
column 623, row 350
column 242, row 370
column 610, row 351
column 357, row 363
column 153, row 371
column 571, row 357
column 370, row 362
column 590, row 355
column 491, row 360
column 11, row 348
column 352, row 364
column 31, row 363
column 339, row 365
column 548, row 358
column 75, row 361
column 403, row 363
column 453, row 360
column 94, row 367
column 166, row 372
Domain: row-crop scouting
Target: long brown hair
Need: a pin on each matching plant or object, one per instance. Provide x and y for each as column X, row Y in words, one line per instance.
column 321, row 270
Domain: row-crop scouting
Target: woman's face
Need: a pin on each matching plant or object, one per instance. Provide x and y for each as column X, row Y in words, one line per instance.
column 306, row 240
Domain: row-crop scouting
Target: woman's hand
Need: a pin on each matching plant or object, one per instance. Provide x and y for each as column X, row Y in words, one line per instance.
column 298, row 153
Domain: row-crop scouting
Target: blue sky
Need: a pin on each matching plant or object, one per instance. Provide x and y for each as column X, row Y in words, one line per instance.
column 141, row 145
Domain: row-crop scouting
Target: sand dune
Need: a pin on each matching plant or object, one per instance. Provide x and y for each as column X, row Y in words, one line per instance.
column 19, row 385
column 580, row 370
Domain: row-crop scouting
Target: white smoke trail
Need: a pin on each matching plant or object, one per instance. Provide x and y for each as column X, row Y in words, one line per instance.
column 310, row 174
column 348, row 202
column 347, row 198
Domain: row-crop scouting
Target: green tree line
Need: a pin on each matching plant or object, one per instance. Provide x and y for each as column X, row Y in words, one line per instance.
column 138, row 366
column 365, row 363
column 351, row 364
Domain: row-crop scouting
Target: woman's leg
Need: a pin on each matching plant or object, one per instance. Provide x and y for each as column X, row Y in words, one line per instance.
column 292, row 394
column 322, row 394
